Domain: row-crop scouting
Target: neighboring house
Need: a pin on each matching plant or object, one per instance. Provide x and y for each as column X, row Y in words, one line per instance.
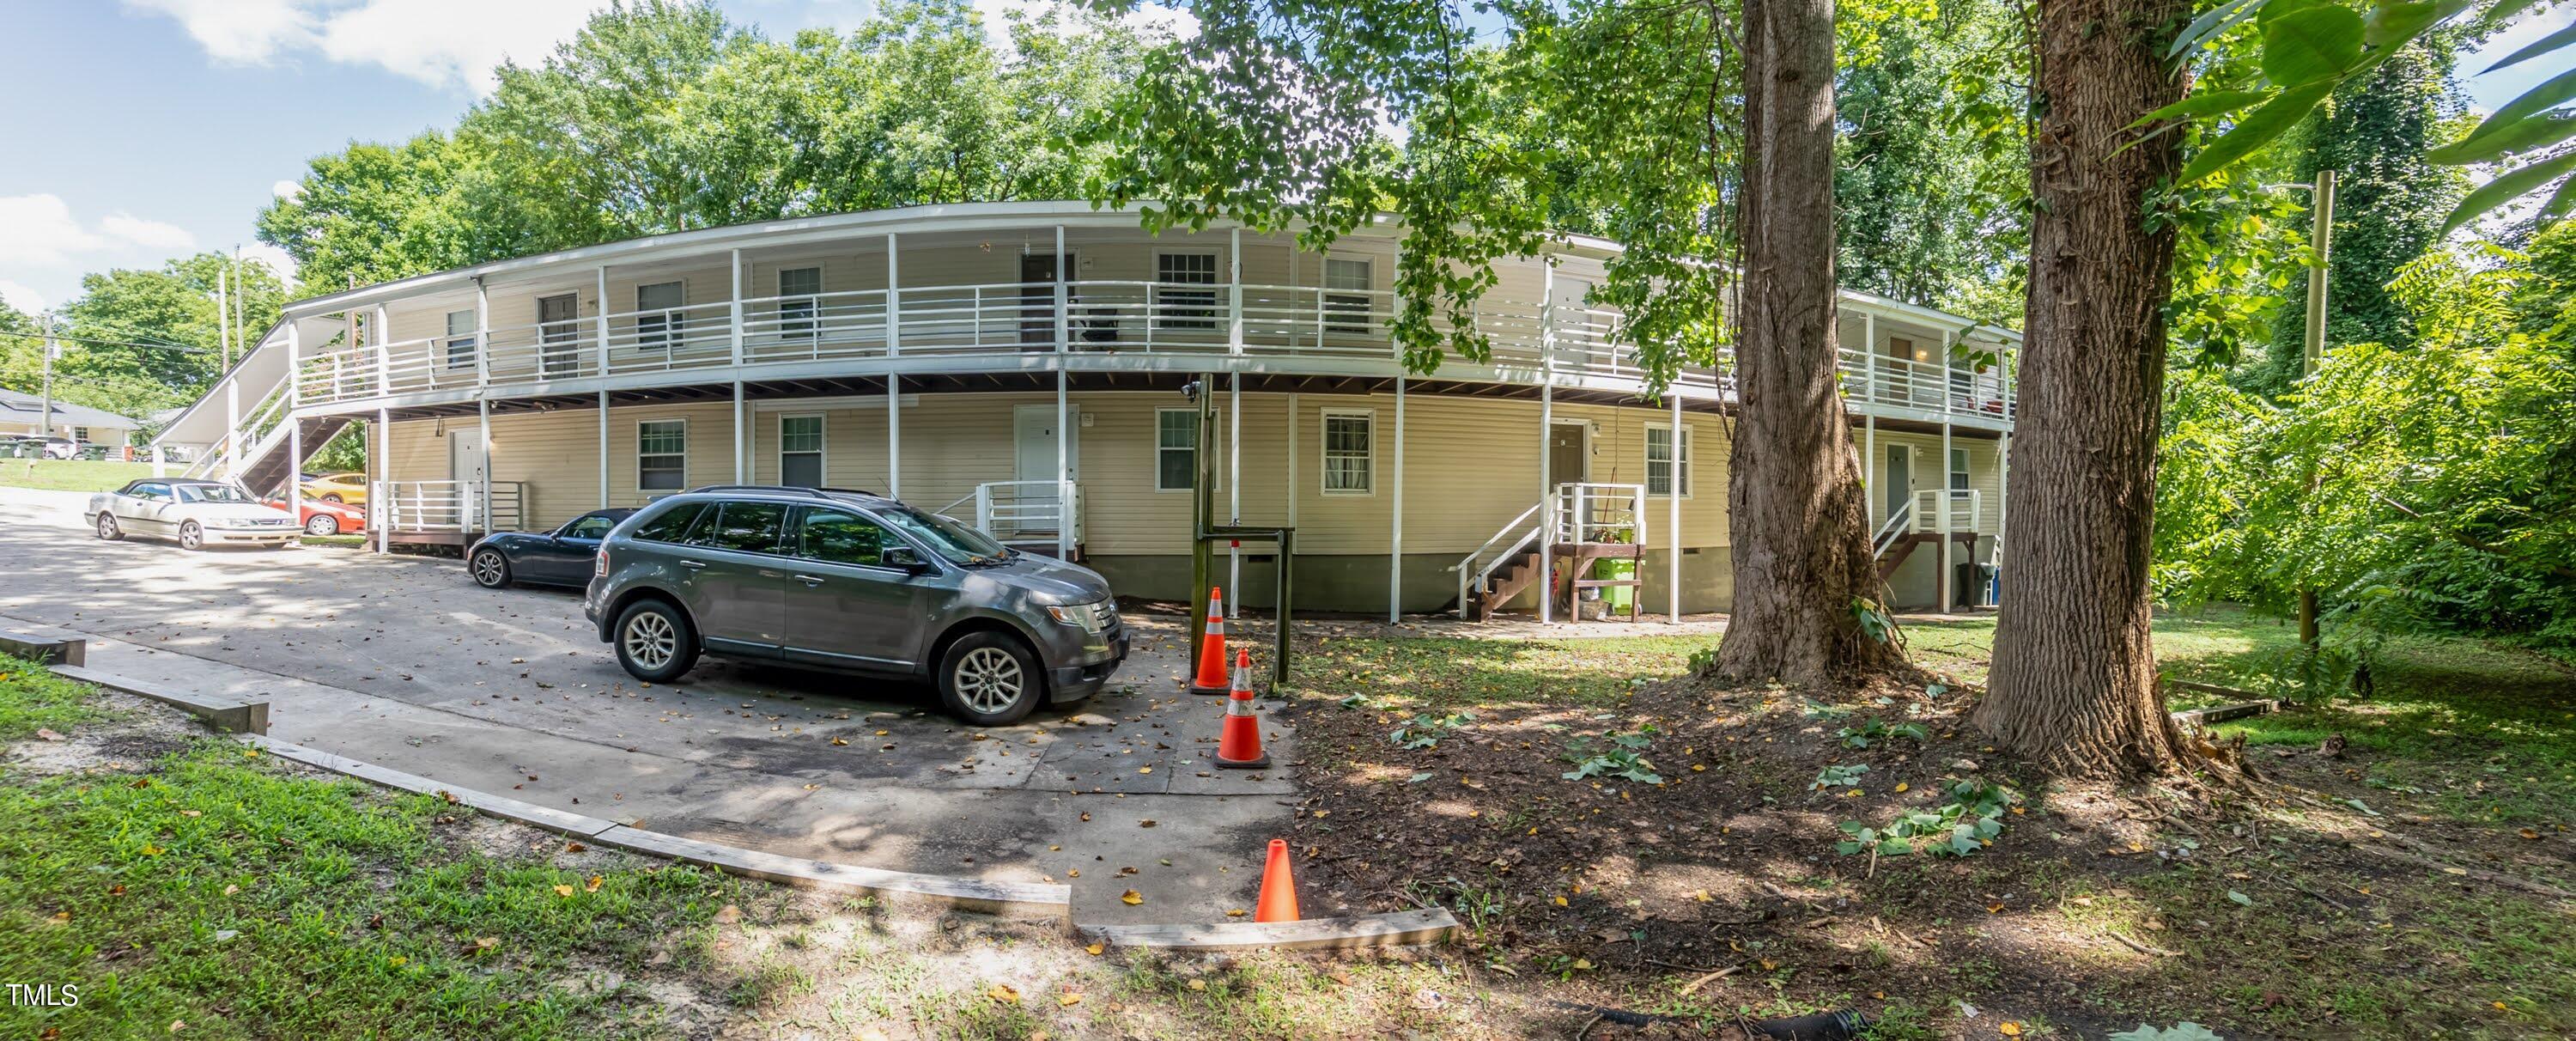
column 1026, row 375
column 19, row 417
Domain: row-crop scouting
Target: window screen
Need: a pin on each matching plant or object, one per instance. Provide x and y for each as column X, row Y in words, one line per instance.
column 1346, row 452
column 657, row 318
column 460, row 339
column 797, row 289
column 661, row 455
column 1346, row 298
column 1176, row 434
column 1187, row 308
column 800, row 451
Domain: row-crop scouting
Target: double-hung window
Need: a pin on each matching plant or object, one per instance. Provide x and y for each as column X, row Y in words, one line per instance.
column 662, row 455
column 798, row 288
column 1186, row 308
column 460, row 339
column 1349, row 446
column 1668, row 472
column 1958, row 473
column 800, row 451
column 1176, row 440
column 657, row 316
column 1346, row 295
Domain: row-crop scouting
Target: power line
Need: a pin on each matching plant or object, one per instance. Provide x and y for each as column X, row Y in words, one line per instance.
column 116, row 343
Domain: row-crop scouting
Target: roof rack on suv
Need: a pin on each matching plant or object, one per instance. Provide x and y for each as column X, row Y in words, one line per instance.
column 786, row 489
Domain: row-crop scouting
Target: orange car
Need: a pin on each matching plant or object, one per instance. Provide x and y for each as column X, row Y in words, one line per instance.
column 324, row 517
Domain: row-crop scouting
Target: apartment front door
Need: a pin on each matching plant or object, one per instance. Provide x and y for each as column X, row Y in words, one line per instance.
column 469, row 467
column 1569, row 455
column 1900, row 478
column 1033, row 430
column 559, row 335
column 1037, row 300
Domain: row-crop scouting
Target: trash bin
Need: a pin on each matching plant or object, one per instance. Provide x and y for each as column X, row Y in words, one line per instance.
column 1619, row 598
column 1994, row 576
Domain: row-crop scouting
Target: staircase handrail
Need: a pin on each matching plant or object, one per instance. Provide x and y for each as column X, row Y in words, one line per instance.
column 1898, row 524
column 1502, row 537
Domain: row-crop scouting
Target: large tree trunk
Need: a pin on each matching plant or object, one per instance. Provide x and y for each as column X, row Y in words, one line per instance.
column 2074, row 681
column 1796, row 510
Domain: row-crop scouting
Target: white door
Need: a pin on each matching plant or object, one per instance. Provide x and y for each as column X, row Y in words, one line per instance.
column 466, row 466
column 1033, row 434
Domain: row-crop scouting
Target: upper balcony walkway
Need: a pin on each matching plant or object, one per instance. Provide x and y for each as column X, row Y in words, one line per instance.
column 808, row 301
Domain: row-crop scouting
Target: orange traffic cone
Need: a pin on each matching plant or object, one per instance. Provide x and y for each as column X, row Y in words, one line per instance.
column 1238, row 746
column 1212, row 648
column 1278, row 891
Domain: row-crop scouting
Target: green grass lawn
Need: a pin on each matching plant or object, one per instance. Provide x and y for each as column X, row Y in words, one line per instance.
column 210, row 891
column 71, row 475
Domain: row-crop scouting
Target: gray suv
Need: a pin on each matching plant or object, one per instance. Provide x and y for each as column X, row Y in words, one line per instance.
column 853, row 582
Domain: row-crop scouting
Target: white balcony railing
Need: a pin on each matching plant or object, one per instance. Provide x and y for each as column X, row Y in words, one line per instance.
column 1022, row 511
column 1098, row 317
column 445, row 506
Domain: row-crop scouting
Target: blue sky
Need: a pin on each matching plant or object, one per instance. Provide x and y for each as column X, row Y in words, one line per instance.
column 145, row 129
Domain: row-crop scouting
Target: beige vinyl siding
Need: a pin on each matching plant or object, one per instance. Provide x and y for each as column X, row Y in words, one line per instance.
column 1471, row 464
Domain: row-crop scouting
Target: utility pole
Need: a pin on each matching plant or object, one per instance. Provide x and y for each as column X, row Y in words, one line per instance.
column 2321, row 211
column 45, row 410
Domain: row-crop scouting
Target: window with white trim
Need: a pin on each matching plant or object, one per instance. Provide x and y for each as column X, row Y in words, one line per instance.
column 1176, row 440
column 1349, row 452
column 460, row 339
column 1347, row 282
column 657, row 316
column 1186, row 308
column 662, row 455
column 800, row 451
column 798, row 288
column 1958, row 473
column 1660, row 458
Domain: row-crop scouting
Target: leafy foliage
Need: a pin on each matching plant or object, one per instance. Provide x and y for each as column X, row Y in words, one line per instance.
column 1878, row 731
column 1968, row 822
column 1425, row 730
column 662, row 116
column 1615, row 755
column 1839, row 775
column 2444, row 477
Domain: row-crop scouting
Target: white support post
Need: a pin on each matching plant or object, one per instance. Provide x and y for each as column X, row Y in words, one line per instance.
column 1546, row 505
column 377, row 331
column 232, row 427
column 1868, row 471
column 603, row 325
column 160, row 462
column 735, row 309
column 1063, row 430
column 483, row 489
column 1234, row 325
column 1869, row 356
column 894, row 436
column 482, row 338
column 1948, row 507
column 294, row 423
column 603, row 449
column 1673, row 509
column 739, row 452
column 1395, row 522
column 1234, row 493
column 1063, row 324
column 894, row 312
column 380, row 440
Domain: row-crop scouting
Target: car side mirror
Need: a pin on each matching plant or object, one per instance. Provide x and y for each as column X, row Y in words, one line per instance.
column 903, row 557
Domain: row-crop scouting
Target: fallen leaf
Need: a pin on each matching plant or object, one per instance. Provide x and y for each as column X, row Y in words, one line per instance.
column 592, row 886
column 1095, row 949
column 48, row 734
column 1235, row 913
column 1068, row 1000
column 1131, row 897
column 563, row 890
column 2009, row 1028
column 1002, row 992
column 1198, row 984
column 729, row 914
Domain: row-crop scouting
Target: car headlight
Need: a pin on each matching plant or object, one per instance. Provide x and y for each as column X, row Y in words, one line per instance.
column 1093, row 618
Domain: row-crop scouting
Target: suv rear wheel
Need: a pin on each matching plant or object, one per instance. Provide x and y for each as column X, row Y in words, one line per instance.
column 655, row 641
column 990, row 679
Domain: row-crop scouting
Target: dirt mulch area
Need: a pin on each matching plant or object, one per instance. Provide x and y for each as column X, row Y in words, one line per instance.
column 1720, row 891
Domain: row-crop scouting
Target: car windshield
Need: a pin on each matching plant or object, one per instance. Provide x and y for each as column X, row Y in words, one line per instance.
column 212, row 493
column 955, row 542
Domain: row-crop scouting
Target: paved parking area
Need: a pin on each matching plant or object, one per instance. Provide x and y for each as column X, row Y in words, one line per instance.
column 403, row 661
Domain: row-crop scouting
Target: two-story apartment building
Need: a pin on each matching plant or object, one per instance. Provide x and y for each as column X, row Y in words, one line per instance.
column 1020, row 366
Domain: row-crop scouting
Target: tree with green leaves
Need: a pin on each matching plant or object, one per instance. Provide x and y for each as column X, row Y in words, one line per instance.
column 663, row 116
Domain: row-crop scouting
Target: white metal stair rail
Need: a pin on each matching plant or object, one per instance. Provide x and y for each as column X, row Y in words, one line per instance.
column 1010, row 511
column 1513, row 538
column 1574, row 513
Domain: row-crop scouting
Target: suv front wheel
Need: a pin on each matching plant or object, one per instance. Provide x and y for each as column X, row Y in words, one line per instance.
column 655, row 641
column 990, row 679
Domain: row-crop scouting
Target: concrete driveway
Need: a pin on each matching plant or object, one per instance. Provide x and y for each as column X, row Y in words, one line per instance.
column 403, row 661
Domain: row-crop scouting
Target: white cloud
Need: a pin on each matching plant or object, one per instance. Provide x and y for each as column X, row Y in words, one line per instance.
column 275, row 258
column 17, row 295
column 438, row 42
column 38, row 230
column 289, row 190
column 149, row 234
